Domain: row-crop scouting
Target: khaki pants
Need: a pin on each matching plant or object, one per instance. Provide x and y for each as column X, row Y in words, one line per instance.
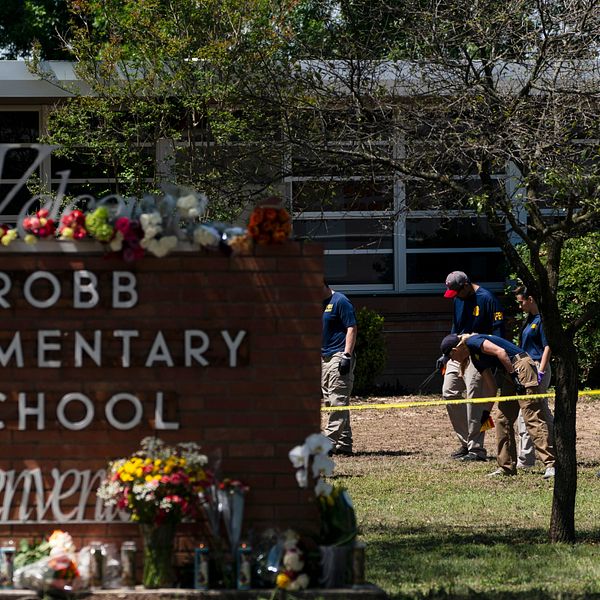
column 525, row 449
column 465, row 418
column 336, row 390
column 506, row 413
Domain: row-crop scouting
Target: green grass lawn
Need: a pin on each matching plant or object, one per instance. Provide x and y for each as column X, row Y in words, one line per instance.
column 445, row 530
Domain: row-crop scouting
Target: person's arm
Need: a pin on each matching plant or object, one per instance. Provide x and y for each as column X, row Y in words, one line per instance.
column 497, row 319
column 492, row 349
column 350, row 339
column 545, row 359
column 490, row 387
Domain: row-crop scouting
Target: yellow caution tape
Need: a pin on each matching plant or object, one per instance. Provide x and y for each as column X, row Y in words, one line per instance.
column 444, row 402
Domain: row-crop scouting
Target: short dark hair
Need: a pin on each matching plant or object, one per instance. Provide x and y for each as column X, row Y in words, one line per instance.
column 522, row 290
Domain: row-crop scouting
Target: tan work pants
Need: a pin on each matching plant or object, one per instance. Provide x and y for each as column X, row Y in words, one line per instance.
column 506, row 413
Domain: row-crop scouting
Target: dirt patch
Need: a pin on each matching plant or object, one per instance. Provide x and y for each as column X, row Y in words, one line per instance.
column 425, row 432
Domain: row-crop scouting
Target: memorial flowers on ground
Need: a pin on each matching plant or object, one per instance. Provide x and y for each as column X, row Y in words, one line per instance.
column 49, row 566
column 158, row 483
column 159, row 486
column 313, row 464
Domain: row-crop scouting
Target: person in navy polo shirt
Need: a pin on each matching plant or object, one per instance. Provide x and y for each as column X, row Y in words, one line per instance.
column 533, row 340
column 475, row 310
column 337, row 365
column 488, row 352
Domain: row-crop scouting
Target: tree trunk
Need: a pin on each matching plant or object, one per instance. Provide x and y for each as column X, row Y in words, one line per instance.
column 562, row 521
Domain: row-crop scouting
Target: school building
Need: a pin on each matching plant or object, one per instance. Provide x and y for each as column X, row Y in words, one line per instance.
column 386, row 251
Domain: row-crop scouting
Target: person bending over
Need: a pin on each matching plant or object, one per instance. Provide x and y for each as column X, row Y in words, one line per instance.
column 490, row 352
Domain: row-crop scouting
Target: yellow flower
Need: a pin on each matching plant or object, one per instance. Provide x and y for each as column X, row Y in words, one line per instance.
column 30, row 239
column 282, row 580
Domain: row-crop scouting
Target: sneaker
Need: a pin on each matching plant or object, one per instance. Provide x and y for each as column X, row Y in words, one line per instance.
column 457, row 454
column 525, row 467
column 472, row 457
column 549, row 473
column 500, row 472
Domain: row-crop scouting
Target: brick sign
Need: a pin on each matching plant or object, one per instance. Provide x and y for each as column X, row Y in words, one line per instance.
column 96, row 354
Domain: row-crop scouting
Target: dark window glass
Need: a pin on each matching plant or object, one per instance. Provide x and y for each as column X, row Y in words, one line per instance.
column 362, row 269
column 17, row 161
column 344, row 234
column 428, row 196
column 80, row 168
column 250, row 163
column 443, row 232
column 14, row 206
column 342, row 196
column 85, row 166
column 433, row 268
column 19, row 126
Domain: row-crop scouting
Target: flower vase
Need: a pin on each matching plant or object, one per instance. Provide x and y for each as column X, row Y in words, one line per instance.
column 335, row 566
column 158, row 555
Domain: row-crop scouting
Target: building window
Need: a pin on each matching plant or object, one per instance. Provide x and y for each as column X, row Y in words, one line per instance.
column 355, row 220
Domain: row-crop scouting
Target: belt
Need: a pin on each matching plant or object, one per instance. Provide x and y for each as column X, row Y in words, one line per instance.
column 520, row 355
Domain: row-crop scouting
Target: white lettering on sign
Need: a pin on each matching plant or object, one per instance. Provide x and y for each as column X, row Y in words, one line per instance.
column 34, row 412
column 25, row 500
column 85, row 289
column 50, row 348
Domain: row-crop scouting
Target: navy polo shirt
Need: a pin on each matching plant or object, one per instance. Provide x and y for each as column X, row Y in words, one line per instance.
column 338, row 315
column 532, row 338
column 479, row 313
column 482, row 361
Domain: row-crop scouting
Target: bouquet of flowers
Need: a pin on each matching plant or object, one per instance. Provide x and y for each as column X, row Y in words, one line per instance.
column 270, row 224
column 72, row 226
column 55, row 570
column 38, row 225
column 312, row 461
column 7, row 235
column 158, row 483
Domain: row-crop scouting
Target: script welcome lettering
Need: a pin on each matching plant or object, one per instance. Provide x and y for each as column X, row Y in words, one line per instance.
column 26, row 500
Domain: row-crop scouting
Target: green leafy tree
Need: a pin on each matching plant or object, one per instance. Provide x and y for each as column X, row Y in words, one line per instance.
column 493, row 111
column 29, row 24
column 371, row 353
column 172, row 80
column 579, row 288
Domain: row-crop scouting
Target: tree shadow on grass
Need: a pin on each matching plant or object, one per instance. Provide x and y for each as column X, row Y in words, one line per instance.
column 461, row 563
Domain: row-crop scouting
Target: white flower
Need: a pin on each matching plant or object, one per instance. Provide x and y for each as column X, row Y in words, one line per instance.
column 318, row 443
column 322, row 466
column 150, row 221
column 207, row 236
column 323, row 488
column 299, row 456
column 160, row 247
column 302, row 478
column 192, row 205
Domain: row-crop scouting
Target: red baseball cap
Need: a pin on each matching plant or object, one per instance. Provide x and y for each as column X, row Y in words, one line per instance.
column 455, row 282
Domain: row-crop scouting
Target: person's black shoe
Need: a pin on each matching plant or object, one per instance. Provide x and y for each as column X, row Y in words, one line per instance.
column 458, row 454
column 342, row 452
column 472, row 457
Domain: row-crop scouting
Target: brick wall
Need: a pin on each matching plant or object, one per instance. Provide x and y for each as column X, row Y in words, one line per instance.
column 251, row 413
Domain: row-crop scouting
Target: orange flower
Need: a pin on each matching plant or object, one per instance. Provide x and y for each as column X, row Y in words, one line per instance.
column 270, row 214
